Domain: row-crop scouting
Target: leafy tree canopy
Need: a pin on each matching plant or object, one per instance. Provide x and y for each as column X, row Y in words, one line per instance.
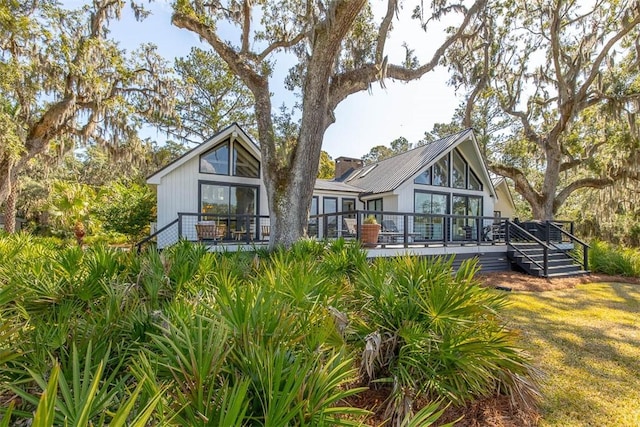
column 563, row 76
column 339, row 48
column 64, row 82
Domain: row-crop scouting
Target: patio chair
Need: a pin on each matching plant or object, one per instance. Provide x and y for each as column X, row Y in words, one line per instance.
column 349, row 229
column 206, row 230
column 389, row 226
column 266, row 231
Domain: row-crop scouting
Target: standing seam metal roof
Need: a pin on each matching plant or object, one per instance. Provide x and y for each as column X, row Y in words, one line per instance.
column 390, row 173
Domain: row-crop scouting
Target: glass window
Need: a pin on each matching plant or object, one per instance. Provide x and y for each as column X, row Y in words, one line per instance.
column 458, row 171
column 214, row 199
column 474, row 182
column 465, row 226
column 244, row 164
column 430, row 227
column 349, row 205
column 234, row 206
column 329, row 206
column 424, row 177
column 216, row 161
column 312, row 229
column 441, row 172
column 375, row 205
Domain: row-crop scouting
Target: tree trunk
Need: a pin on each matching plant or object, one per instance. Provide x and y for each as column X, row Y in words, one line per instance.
column 10, row 209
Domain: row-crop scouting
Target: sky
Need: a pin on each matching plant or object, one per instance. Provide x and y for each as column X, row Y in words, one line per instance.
column 363, row 120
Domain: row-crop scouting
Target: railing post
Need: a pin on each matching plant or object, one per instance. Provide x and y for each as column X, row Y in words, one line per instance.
column 507, row 231
column 446, row 229
column 546, row 261
column 406, row 230
column 358, row 223
column 585, row 254
column 479, row 230
column 179, row 226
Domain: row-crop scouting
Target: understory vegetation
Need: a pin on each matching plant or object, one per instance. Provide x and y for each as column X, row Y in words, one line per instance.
column 188, row 337
column 614, row 260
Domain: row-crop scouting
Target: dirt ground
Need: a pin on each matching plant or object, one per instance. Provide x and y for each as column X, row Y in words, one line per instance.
column 523, row 282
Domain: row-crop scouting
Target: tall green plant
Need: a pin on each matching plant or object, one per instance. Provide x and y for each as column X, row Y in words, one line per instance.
column 435, row 333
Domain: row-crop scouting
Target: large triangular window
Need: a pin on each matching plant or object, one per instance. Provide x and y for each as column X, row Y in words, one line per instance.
column 230, row 158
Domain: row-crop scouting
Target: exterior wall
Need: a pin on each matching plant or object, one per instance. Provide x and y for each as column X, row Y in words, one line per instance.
column 503, row 204
column 339, row 196
column 178, row 192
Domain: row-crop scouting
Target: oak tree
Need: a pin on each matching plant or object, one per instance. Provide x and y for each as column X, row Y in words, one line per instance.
column 565, row 74
column 64, row 82
column 340, row 48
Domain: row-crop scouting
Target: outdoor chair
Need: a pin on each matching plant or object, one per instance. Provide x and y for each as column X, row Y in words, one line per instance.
column 266, row 231
column 206, row 230
column 349, row 229
column 389, row 226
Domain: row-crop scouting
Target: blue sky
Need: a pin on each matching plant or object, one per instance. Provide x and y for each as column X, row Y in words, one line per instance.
column 363, row 120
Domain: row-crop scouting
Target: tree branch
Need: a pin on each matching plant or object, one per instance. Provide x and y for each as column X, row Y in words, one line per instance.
column 236, row 62
column 280, row 44
column 579, row 184
column 522, row 184
column 350, row 82
column 246, row 28
column 392, row 7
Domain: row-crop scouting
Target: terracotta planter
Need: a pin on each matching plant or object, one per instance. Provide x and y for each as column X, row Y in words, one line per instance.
column 369, row 234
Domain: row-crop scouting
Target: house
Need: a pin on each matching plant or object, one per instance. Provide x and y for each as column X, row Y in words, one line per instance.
column 437, row 199
column 445, row 183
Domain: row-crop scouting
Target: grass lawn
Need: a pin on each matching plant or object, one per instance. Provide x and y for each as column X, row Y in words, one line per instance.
column 586, row 340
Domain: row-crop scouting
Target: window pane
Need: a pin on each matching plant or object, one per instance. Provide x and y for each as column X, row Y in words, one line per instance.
column 216, row 161
column 458, row 171
column 243, row 200
column 215, row 199
column 422, row 203
column 349, row 205
column 441, row 172
column 474, row 182
column 244, row 164
column 424, row 177
column 313, row 222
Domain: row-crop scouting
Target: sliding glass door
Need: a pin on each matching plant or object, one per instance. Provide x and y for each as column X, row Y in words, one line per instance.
column 431, row 227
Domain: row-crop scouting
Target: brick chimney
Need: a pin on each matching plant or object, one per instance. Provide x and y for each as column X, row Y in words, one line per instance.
column 346, row 164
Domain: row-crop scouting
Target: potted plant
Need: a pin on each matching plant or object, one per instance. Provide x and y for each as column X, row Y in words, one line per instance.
column 369, row 231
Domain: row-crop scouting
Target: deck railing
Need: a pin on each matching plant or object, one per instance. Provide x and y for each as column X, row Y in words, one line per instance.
column 397, row 229
column 411, row 229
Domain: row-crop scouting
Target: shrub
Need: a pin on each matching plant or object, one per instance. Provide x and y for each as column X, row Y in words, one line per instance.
column 607, row 259
column 430, row 332
column 127, row 208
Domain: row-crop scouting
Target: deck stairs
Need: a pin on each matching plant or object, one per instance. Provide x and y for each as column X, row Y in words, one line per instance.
column 544, row 257
column 530, row 258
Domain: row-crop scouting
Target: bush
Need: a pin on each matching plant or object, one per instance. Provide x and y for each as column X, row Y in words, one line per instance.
column 207, row 338
column 127, row 208
column 608, row 259
column 430, row 332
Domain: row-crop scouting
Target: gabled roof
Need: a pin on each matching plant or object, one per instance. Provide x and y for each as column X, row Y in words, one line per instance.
column 389, row 174
column 233, row 130
column 498, row 181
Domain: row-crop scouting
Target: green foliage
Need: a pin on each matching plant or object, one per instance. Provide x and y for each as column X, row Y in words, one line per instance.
column 431, row 332
column 66, row 83
column 127, row 208
column 327, row 167
column 616, row 261
column 70, row 205
column 190, row 337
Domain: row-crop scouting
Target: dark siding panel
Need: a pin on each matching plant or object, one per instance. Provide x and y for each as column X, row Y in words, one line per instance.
column 487, row 262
